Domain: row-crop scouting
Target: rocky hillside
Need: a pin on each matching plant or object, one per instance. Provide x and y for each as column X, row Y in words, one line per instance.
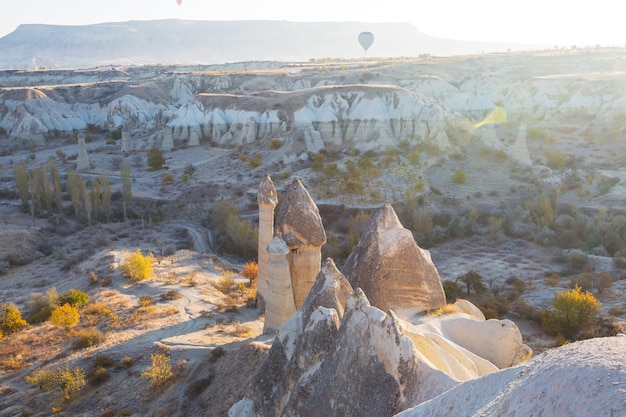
column 368, row 106
column 211, row 42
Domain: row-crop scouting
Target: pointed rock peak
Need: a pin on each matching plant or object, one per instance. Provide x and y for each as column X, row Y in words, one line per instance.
column 392, row 270
column 357, row 301
column 267, row 192
column 330, row 290
column 330, row 270
column 385, row 218
column 298, row 214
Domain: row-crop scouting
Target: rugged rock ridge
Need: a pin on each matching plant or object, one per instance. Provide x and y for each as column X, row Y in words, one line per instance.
column 321, row 364
column 392, row 270
column 594, row 374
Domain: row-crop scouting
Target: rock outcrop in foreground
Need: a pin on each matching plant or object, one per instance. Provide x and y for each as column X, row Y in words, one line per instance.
column 582, row 379
column 341, row 356
column 392, row 270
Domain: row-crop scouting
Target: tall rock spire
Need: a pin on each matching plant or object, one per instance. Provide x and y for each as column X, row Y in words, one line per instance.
column 82, row 161
column 126, row 146
column 168, row 139
column 279, row 306
column 519, row 150
column 392, row 270
column 267, row 199
column 299, row 223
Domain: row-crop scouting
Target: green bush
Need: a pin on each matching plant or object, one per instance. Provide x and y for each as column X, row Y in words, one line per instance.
column 138, row 267
column 11, row 320
column 459, row 177
column 76, row 298
column 156, row 160
column 275, row 144
column 88, row 338
column 255, row 161
column 40, row 306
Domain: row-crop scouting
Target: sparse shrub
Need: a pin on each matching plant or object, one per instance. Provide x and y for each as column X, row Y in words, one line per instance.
column 190, row 280
column 447, row 309
column 171, row 295
column 94, row 312
column 160, row 371
column 255, row 161
column 241, row 330
column 555, row 160
column 98, row 376
column 145, row 301
column 229, row 305
column 578, row 260
column 40, row 306
column 167, row 179
column 552, row 279
column 275, row 144
column 226, row 282
column 65, row 316
column 473, row 281
column 317, row 164
column 459, row 177
column 88, row 338
column 138, row 267
column 75, row 298
column 216, row 354
column 11, row 320
column 13, row 362
column 156, row 160
column 452, row 290
column 67, row 380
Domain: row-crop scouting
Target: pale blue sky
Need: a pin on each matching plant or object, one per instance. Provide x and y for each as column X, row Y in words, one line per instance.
column 550, row 22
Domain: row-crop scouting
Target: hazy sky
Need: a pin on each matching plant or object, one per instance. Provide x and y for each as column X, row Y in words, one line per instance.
column 549, row 22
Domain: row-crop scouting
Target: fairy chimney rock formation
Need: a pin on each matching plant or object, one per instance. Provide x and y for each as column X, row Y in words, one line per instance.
column 194, row 139
column 82, row 161
column 126, row 147
column 279, row 305
column 168, row 139
column 267, row 199
column 299, row 223
column 519, row 150
column 392, row 270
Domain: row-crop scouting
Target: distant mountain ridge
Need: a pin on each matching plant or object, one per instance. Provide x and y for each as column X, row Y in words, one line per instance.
column 214, row 42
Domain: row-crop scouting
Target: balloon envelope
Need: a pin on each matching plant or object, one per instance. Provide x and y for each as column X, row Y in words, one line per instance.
column 179, row 2
column 366, row 39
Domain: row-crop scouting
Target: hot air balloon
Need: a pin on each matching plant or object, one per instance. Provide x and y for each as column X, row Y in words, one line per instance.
column 179, row 2
column 366, row 39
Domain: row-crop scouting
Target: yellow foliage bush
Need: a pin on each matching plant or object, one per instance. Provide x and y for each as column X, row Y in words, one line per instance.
column 572, row 312
column 250, row 270
column 67, row 379
column 65, row 316
column 160, row 371
column 137, row 267
column 11, row 320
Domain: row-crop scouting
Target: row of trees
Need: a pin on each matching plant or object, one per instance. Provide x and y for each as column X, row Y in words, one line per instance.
column 42, row 191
